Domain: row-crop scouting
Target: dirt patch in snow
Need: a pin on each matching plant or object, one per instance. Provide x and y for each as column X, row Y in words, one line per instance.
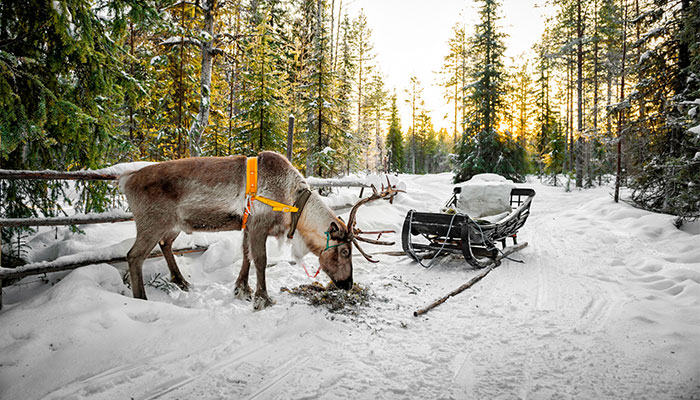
column 332, row 298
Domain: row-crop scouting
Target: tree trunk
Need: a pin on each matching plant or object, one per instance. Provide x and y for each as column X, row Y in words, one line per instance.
column 320, row 85
column 202, row 120
column 413, row 132
column 620, row 118
column 233, row 91
column 579, row 97
column 359, row 89
column 337, row 40
column 181, row 86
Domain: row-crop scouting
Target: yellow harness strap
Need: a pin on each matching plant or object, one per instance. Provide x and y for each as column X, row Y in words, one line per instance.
column 251, row 187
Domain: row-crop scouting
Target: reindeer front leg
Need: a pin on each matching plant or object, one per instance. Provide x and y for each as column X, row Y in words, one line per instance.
column 258, row 249
column 242, row 290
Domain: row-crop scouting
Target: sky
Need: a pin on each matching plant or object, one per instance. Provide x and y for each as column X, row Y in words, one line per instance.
column 410, row 38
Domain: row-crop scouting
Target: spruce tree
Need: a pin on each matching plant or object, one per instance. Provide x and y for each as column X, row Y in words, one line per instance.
column 364, row 55
column 376, row 107
column 482, row 148
column 394, row 140
column 262, row 120
column 345, row 71
column 454, row 75
column 320, row 105
column 62, row 97
column 668, row 179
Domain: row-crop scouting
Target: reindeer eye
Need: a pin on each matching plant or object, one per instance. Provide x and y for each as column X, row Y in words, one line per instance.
column 345, row 253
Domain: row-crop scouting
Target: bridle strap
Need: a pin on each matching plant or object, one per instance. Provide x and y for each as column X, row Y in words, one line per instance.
column 299, row 204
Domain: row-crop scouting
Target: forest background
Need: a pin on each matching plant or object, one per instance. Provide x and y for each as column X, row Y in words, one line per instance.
column 610, row 91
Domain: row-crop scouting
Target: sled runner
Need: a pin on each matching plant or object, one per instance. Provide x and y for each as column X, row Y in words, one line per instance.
column 454, row 232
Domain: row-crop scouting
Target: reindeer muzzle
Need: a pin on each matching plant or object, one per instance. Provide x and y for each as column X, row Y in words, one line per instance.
column 345, row 285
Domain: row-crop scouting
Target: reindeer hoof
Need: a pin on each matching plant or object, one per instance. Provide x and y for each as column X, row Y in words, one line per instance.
column 243, row 293
column 140, row 294
column 262, row 301
column 182, row 284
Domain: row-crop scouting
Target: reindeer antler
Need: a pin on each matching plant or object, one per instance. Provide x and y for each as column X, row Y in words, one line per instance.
column 388, row 192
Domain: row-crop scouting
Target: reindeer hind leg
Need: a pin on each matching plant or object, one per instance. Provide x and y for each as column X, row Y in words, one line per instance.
column 166, row 246
column 145, row 242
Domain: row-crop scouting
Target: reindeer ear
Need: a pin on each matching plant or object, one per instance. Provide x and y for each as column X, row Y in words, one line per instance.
column 334, row 228
column 334, row 231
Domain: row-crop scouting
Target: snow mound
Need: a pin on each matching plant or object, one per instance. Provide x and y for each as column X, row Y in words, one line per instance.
column 484, row 195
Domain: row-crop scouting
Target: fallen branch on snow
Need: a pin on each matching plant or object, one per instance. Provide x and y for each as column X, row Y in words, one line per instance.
column 493, row 265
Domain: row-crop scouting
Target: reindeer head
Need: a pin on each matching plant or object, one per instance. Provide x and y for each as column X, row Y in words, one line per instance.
column 336, row 258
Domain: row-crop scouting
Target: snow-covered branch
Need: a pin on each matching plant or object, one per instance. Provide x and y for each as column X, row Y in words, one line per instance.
column 202, row 7
column 179, row 40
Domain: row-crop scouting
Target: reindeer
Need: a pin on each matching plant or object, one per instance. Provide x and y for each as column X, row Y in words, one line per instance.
column 209, row 194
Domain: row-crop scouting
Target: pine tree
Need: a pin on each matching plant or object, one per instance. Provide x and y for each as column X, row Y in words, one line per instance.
column 376, row 107
column 62, row 96
column 414, row 94
column 394, row 140
column 364, row 55
column 483, row 149
column 454, row 76
column 549, row 140
column 345, row 71
column 171, row 103
column 522, row 101
column 320, row 104
column 668, row 179
column 261, row 119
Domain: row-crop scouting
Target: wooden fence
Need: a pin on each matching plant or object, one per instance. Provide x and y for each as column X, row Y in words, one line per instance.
column 112, row 217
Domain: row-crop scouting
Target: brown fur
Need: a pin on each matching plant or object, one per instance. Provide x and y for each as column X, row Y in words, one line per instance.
column 208, row 194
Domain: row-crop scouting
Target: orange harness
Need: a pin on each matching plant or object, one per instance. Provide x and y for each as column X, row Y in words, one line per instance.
column 251, row 188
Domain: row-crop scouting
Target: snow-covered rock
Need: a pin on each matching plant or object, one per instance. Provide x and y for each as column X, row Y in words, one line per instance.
column 484, row 195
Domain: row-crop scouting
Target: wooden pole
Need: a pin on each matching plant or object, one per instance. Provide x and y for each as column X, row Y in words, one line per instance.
column 49, row 174
column 62, row 221
column 620, row 115
column 493, row 265
column 290, row 136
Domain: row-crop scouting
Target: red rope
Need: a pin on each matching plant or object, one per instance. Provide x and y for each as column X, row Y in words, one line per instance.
column 307, row 272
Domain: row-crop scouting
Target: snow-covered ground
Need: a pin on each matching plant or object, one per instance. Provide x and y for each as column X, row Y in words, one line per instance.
column 606, row 306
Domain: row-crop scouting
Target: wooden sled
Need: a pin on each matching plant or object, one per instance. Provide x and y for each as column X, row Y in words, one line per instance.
column 475, row 239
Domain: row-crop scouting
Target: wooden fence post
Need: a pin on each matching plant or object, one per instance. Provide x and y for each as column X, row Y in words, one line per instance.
column 290, row 136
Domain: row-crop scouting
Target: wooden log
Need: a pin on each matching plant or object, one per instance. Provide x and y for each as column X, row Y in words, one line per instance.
column 56, row 266
column 72, row 220
column 49, row 174
column 493, row 265
column 317, row 183
column 89, row 175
